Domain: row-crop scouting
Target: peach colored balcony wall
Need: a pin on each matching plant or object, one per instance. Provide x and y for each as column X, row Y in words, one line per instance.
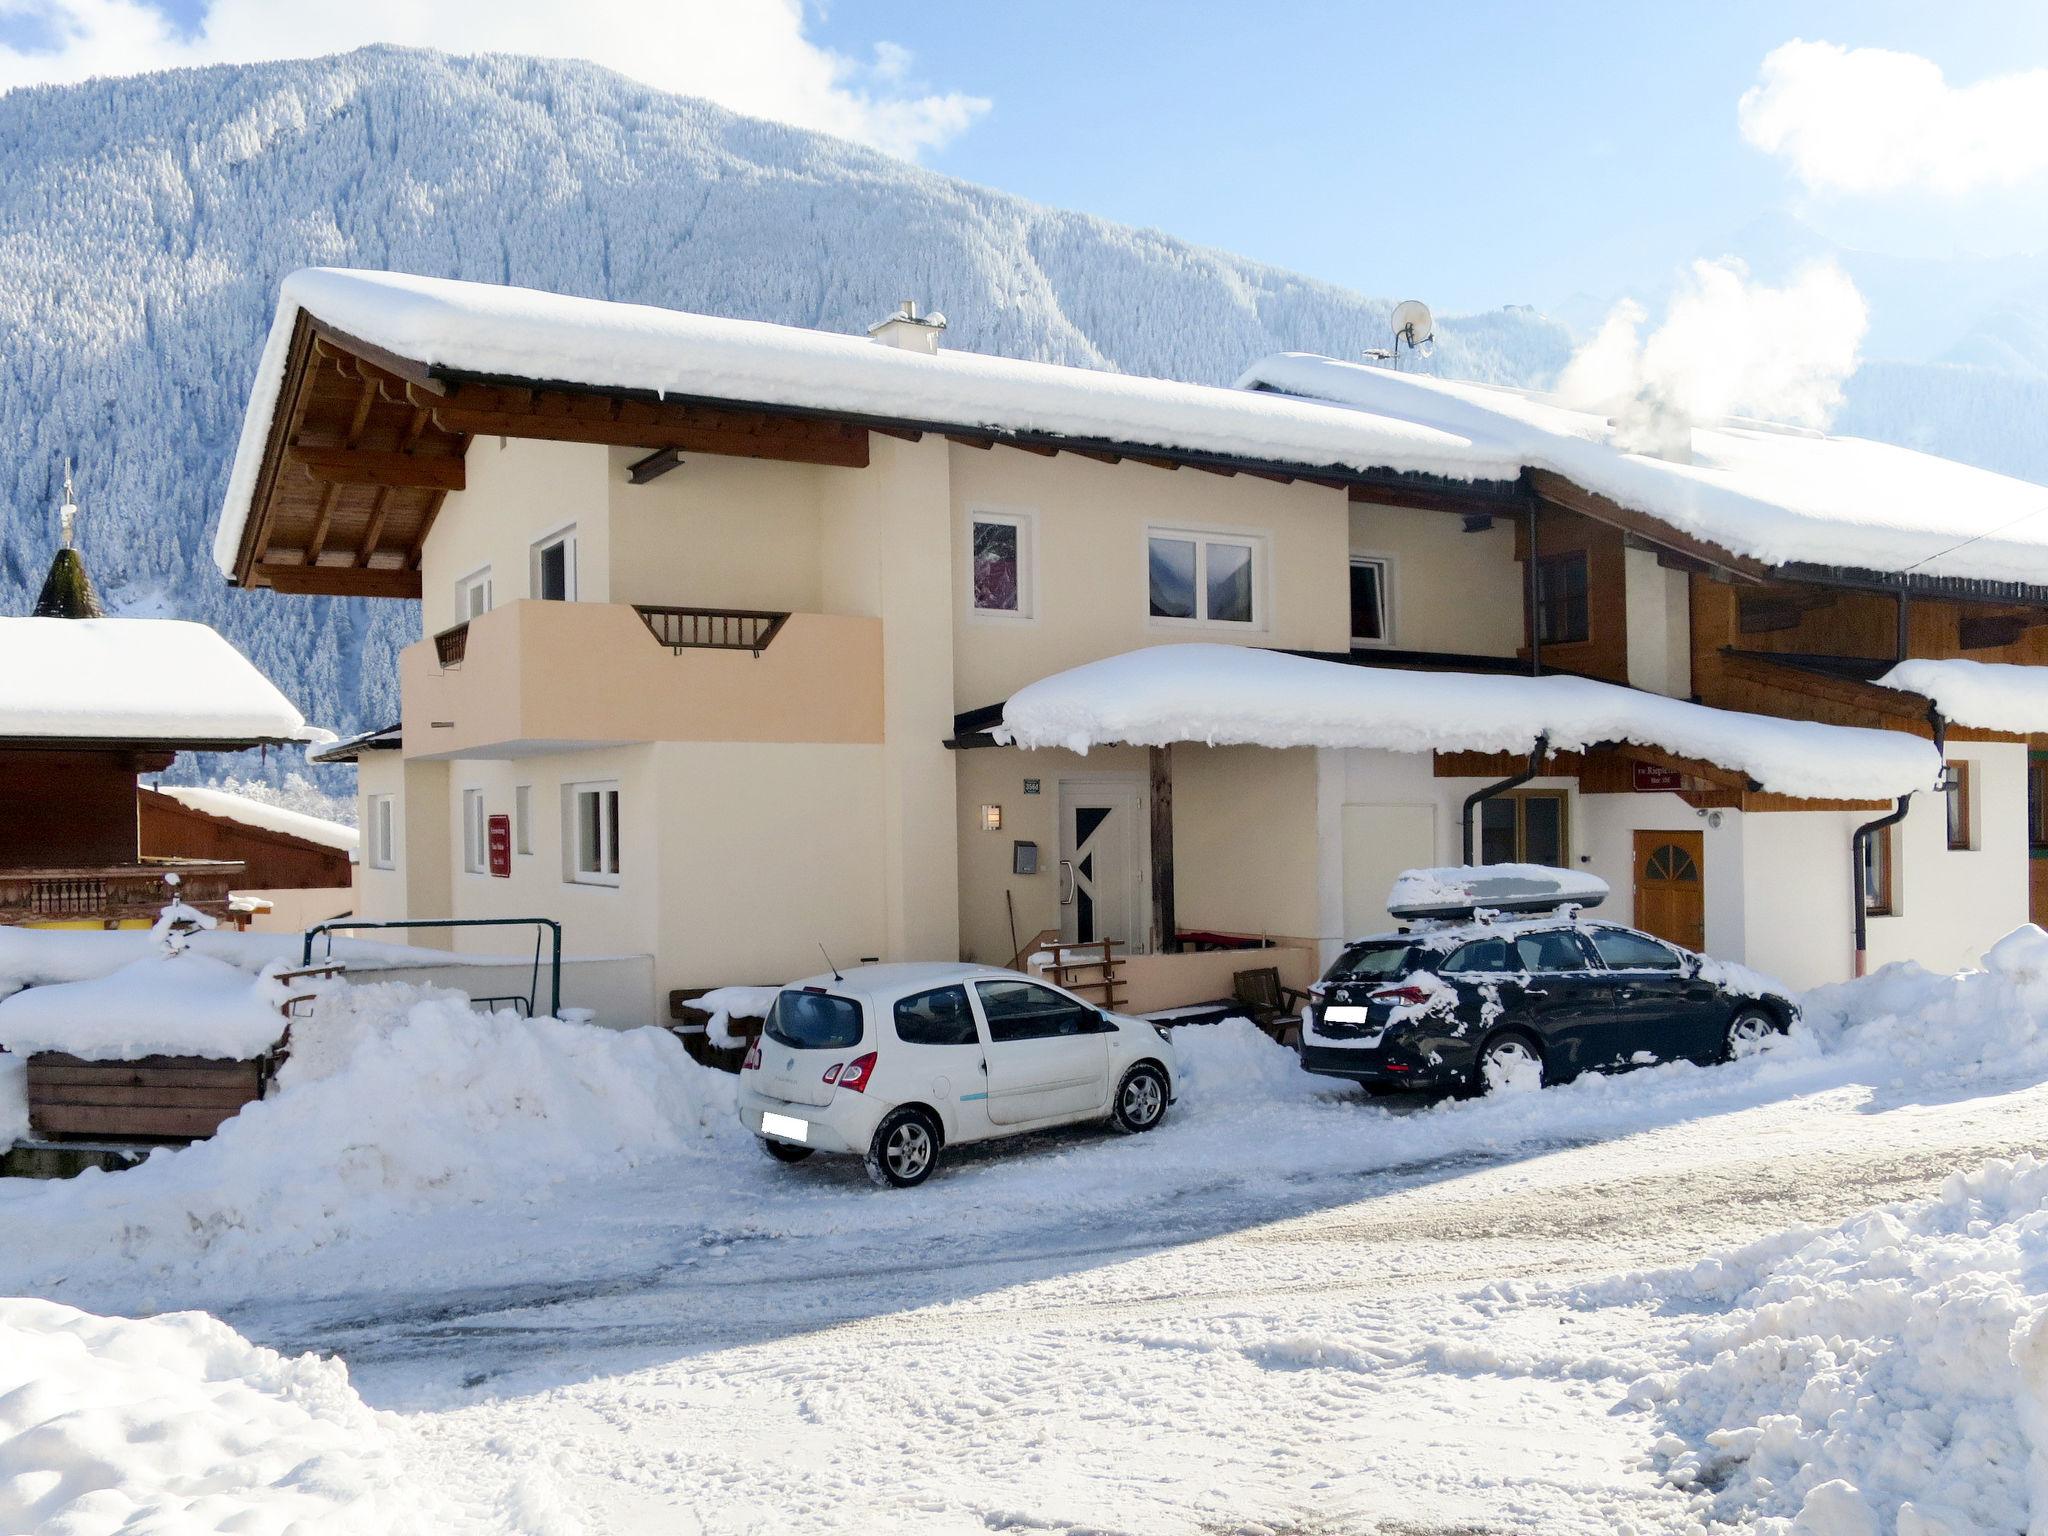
column 539, row 676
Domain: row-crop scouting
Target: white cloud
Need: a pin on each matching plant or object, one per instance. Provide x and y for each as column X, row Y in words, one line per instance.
column 1727, row 347
column 1871, row 120
column 750, row 55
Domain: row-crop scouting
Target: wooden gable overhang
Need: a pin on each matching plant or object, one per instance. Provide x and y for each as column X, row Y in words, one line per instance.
column 1610, row 768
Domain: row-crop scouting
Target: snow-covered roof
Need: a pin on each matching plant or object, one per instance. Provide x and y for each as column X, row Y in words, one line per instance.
column 1237, row 695
column 260, row 813
column 1983, row 695
column 143, row 680
column 385, row 738
column 493, row 330
column 1779, row 495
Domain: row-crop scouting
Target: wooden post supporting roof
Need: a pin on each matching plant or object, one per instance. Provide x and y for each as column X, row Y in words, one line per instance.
column 1165, row 921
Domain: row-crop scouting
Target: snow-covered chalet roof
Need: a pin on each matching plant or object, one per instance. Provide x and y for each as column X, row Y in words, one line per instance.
column 1227, row 695
column 1778, row 495
column 1983, row 695
column 263, row 815
column 161, row 681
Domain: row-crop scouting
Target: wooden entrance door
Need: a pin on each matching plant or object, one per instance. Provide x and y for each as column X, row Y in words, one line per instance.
column 1671, row 887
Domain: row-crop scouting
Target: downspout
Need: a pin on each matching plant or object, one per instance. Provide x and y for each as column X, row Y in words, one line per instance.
column 1513, row 781
column 1535, row 618
column 1857, row 844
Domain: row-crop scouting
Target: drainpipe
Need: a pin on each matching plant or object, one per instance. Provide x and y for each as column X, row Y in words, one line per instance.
column 1513, row 781
column 1535, row 618
column 1864, row 833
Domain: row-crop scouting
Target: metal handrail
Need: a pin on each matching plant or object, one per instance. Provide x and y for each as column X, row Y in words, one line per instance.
column 553, row 928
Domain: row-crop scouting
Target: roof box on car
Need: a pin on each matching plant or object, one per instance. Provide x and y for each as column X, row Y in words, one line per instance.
column 1465, row 889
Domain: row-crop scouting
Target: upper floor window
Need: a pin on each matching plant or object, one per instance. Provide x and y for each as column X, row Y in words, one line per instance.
column 522, row 818
column 1370, row 620
column 554, row 567
column 1563, row 610
column 473, row 595
column 379, row 837
column 1000, row 564
column 1524, row 827
column 1956, row 789
column 2037, row 804
column 1204, row 578
column 475, row 833
column 592, row 813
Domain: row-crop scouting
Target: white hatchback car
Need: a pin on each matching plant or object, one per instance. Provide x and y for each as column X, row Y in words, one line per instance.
column 896, row 1062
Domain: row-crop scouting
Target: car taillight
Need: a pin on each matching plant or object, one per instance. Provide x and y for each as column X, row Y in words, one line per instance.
column 832, row 1072
column 1401, row 997
column 854, row 1074
column 753, row 1061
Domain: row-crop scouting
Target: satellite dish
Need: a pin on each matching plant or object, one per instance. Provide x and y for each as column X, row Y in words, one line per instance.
column 1414, row 325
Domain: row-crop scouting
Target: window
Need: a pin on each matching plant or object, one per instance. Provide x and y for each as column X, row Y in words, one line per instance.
column 1877, row 873
column 1000, row 564
column 475, row 841
column 1555, row 950
column 938, row 1017
column 592, row 839
column 1525, row 827
column 1369, row 622
column 554, row 567
column 2037, row 805
column 381, row 842
column 1203, row 578
column 522, row 819
column 1479, row 955
column 1621, row 950
column 473, row 595
column 1562, row 611
column 1956, row 788
column 813, row 1021
column 1023, row 1010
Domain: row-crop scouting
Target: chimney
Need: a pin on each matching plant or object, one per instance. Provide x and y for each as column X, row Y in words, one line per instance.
column 910, row 330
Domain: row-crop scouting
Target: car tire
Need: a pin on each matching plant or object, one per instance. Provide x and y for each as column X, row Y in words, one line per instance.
column 1140, row 1101
column 1504, row 1059
column 784, row 1152
column 1750, row 1031
column 905, row 1148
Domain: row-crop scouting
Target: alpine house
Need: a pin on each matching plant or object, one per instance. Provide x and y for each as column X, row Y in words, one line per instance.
column 742, row 639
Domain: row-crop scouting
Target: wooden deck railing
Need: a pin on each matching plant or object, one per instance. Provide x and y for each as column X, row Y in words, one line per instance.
column 452, row 643
column 713, row 629
column 114, row 893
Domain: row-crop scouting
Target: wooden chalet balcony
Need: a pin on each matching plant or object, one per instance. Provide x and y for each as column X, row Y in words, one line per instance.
column 537, row 676
column 114, row 893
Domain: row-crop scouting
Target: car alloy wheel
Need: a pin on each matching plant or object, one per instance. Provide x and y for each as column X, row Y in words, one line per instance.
column 1140, row 1098
column 905, row 1149
column 1509, row 1064
column 1749, row 1032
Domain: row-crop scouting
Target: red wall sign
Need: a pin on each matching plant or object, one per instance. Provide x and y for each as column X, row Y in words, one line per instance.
column 1651, row 779
column 498, row 837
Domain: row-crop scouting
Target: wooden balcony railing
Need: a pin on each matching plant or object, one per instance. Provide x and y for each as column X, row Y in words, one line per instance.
column 711, row 629
column 114, row 893
column 452, row 643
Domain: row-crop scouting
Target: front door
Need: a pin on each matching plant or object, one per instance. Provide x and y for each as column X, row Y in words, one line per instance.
column 1671, row 889
column 1102, row 863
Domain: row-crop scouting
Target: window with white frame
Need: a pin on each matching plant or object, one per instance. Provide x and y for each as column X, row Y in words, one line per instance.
column 1372, row 614
column 522, row 818
column 381, row 839
column 473, row 595
column 1002, row 560
column 1204, row 578
column 475, row 832
column 591, row 843
column 554, row 567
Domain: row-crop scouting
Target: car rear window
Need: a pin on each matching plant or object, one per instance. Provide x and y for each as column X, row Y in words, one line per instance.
column 1621, row 950
column 814, row 1021
column 1370, row 962
column 938, row 1017
column 1479, row 955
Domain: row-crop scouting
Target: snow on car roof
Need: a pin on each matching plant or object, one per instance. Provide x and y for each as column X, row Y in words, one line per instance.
column 1230, row 695
column 1781, row 495
column 154, row 680
column 1459, row 889
column 1984, row 695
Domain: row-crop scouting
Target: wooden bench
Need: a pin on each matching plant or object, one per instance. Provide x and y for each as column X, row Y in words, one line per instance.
column 1272, row 1005
column 692, row 1025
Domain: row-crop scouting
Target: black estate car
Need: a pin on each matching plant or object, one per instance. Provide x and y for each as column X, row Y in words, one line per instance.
column 1476, row 1005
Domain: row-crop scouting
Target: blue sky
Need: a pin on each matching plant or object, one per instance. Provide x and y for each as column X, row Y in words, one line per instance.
column 1470, row 154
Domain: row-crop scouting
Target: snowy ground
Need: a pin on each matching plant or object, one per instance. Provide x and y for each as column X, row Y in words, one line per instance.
column 1640, row 1303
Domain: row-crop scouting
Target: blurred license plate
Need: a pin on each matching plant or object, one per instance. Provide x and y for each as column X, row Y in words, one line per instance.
column 1347, row 1015
column 773, row 1124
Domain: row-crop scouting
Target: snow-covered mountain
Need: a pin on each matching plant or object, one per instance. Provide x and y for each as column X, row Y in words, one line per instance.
column 145, row 224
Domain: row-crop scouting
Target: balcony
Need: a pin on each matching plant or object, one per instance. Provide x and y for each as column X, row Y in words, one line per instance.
column 114, row 894
column 540, row 676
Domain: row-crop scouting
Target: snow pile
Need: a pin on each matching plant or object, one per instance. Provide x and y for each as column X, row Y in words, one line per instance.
column 1889, row 1375
column 1229, row 695
column 1986, row 695
column 396, row 1098
column 138, row 680
column 263, row 815
column 179, row 1426
column 159, row 1005
column 725, row 1004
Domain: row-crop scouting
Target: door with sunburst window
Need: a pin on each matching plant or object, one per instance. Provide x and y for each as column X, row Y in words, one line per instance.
column 1671, row 887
